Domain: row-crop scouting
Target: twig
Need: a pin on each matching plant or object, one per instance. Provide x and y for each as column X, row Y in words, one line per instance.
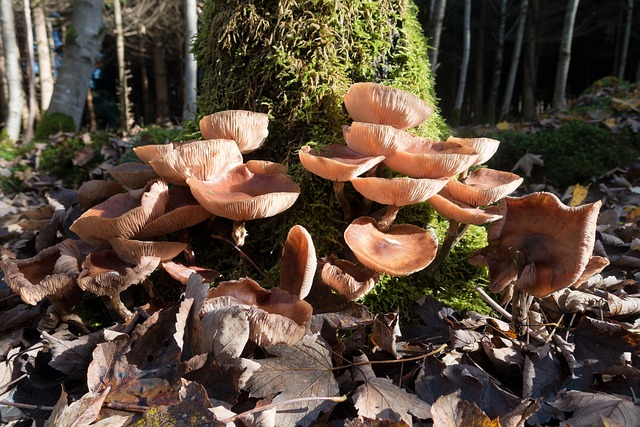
column 454, row 233
column 337, row 399
column 384, row 362
column 127, row 407
column 244, row 255
column 26, row 406
column 497, row 307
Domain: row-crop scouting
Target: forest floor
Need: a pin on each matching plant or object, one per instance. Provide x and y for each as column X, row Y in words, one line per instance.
column 577, row 364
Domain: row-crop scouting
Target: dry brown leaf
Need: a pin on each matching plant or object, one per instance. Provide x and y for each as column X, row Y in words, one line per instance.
column 83, row 412
column 451, row 411
column 225, row 332
column 587, row 409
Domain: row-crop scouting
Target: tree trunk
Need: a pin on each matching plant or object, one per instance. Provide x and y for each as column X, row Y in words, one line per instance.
column 497, row 70
column 124, row 109
column 478, row 107
column 12, row 70
column 464, row 66
column 190, row 65
column 435, row 30
column 625, row 42
column 31, row 77
column 160, row 78
column 4, row 88
column 515, row 59
column 530, row 64
column 44, row 57
column 564, row 56
column 82, row 46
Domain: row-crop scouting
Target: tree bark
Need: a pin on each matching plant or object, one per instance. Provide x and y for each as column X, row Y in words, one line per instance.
column 190, row 65
column 478, row 104
column 12, row 70
column 564, row 57
column 124, row 109
column 44, row 58
column 497, row 70
column 435, row 30
column 530, row 64
column 515, row 59
column 82, row 46
column 625, row 41
column 160, row 77
column 31, row 77
column 464, row 66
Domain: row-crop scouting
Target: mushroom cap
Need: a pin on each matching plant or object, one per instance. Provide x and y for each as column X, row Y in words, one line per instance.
column 460, row 212
column 372, row 139
column 242, row 195
column 400, row 251
column 265, row 167
column 486, row 147
column 122, row 215
column 204, row 160
column 298, row 262
column 336, row 162
column 105, row 274
column 350, row 279
column 146, row 153
column 540, row 244
column 132, row 251
column 401, row 191
column 376, row 103
column 182, row 272
column 484, row 186
column 133, row 175
column 247, row 128
column 275, row 316
column 426, row 158
column 97, row 190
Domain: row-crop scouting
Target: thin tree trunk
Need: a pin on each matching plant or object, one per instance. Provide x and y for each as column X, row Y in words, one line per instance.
column 478, row 107
column 499, row 59
column 435, row 30
column 160, row 74
column 124, row 112
column 464, row 66
column 4, row 87
column 625, row 42
column 530, row 64
column 564, row 57
column 190, row 65
column 147, row 98
column 515, row 59
column 91, row 112
column 44, row 57
column 80, row 52
column 31, row 77
column 13, row 73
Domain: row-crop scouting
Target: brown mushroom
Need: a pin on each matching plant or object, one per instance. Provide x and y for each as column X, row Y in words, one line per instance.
column 376, row 103
column 247, row 128
column 132, row 251
column 350, row 279
column 483, row 186
column 460, row 212
column 182, row 272
column 242, row 195
column 133, row 175
column 402, row 250
column 485, row 147
column 95, row 191
column 146, row 153
column 275, row 316
column 540, row 244
column 298, row 262
column 265, row 167
column 371, row 139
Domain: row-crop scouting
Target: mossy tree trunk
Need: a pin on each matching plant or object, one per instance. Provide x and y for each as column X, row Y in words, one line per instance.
column 295, row 61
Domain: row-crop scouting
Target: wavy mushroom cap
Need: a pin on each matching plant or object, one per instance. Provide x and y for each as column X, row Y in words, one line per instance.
column 242, row 195
column 431, row 159
column 459, row 212
column 133, row 251
column 376, row 103
column 182, row 272
column 122, row 215
column 133, row 175
column 401, row 191
column 485, row 147
column 275, row 316
column 402, row 250
column 203, row 160
column 97, row 190
column 265, row 167
column 484, row 186
column 147, row 153
column 371, row 139
column 540, row 244
column 350, row 279
column 247, row 128
column 298, row 262
column 336, row 162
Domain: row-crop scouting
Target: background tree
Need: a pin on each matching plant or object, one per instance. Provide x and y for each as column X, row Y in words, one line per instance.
column 627, row 36
column 190, row 64
column 515, row 58
column 12, row 70
column 498, row 61
column 435, row 30
column 464, row 66
column 564, row 58
column 45, row 72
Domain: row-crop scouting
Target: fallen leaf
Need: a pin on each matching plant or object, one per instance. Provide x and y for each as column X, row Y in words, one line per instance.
column 451, row 411
column 580, row 193
column 527, row 162
column 586, row 409
column 83, row 412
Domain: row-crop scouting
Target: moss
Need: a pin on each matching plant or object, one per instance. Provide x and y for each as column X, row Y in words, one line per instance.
column 53, row 123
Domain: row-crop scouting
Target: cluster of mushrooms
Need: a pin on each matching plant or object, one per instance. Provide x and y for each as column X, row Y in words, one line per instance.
column 120, row 238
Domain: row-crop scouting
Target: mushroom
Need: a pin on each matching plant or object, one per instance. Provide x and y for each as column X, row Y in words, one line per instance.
column 425, row 158
column 298, row 262
column 483, row 186
column 132, row 251
column 486, row 147
column 247, row 128
column 122, row 215
column 460, row 212
column 133, row 175
column 540, row 245
column 182, row 272
column 402, row 250
column 275, row 316
column 376, row 103
column 372, row 139
column 97, row 190
column 242, row 195
column 350, row 279
column 265, row 167
column 146, row 153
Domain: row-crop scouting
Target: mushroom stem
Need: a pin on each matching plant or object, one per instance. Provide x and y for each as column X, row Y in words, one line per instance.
column 338, row 189
column 520, row 303
column 454, row 233
column 387, row 219
column 118, row 306
column 183, row 237
column 239, row 233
